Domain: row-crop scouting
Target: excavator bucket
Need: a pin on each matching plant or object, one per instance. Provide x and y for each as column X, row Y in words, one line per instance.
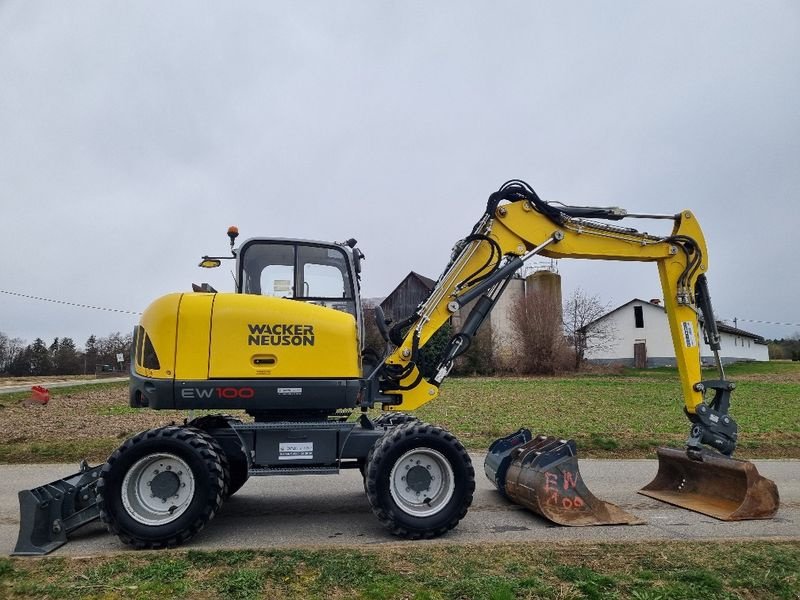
column 724, row 488
column 541, row 473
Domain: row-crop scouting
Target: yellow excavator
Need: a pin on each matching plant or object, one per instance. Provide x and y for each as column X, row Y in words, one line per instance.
column 286, row 348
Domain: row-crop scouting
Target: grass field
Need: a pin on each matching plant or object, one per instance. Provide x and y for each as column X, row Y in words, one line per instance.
column 629, row 414
column 610, row 415
column 646, row 571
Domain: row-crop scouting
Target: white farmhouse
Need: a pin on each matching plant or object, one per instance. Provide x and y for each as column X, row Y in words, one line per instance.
column 639, row 336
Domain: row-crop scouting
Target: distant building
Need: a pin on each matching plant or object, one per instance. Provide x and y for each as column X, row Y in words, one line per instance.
column 404, row 299
column 640, row 337
column 500, row 325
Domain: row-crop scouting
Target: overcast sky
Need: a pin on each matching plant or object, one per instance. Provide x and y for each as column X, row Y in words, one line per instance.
column 133, row 134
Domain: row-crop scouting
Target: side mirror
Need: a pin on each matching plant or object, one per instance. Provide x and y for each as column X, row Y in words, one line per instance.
column 212, row 262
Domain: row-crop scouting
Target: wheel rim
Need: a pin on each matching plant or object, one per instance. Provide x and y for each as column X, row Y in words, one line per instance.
column 158, row 489
column 421, row 482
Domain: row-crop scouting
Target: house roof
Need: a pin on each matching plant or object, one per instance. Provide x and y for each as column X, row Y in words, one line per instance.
column 620, row 307
column 722, row 327
column 740, row 332
column 426, row 282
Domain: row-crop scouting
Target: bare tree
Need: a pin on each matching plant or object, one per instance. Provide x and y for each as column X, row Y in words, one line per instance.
column 373, row 341
column 10, row 349
column 109, row 347
column 541, row 348
column 581, row 311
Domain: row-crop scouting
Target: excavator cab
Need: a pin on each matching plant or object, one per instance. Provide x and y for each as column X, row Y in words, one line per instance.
column 313, row 272
column 318, row 273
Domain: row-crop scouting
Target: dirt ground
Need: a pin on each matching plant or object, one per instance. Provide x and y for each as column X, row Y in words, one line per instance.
column 86, row 414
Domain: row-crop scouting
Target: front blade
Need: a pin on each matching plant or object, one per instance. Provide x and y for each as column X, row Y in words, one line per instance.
column 724, row 488
column 50, row 512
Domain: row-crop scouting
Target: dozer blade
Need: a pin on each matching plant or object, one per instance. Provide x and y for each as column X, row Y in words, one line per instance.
column 541, row 473
column 724, row 488
column 51, row 511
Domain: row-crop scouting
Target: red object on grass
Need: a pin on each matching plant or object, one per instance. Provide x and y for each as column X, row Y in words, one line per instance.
column 40, row 394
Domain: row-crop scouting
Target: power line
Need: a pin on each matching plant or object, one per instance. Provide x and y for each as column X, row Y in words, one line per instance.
column 129, row 312
column 769, row 322
column 29, row 297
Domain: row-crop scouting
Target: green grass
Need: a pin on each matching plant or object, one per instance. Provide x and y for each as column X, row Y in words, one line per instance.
column 664, row 570
column 114, row 410
column 58, row 451
column 627, row 414
column 17, row 397
column 620, row 415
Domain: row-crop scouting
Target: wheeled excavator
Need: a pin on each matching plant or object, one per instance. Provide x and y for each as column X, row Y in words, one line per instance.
column 286, row 348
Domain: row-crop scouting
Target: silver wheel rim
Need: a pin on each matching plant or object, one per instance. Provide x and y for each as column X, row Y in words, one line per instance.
column 421, row 482
column 158, row 489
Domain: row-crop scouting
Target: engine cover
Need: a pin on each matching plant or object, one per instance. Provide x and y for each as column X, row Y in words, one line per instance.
column 244, row 351
column 261, row 336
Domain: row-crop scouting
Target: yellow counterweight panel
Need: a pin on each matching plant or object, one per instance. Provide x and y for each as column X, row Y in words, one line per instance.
column 159, row 321
column 264, row 337
column 194, row 336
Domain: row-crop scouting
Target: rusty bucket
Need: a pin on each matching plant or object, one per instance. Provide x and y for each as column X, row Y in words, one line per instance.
column 724, row 488
column 541, row 473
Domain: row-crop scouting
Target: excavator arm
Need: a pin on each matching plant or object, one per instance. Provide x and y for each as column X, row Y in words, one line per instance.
column 518, row 225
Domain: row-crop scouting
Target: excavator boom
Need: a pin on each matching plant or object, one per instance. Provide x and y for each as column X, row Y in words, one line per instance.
column 517, row 225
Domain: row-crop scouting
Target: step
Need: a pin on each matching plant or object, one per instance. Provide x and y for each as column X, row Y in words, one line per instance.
column 266, row 471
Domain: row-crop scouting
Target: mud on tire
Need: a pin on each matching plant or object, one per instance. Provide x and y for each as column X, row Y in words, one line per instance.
column 161, row 487
column 419, row 480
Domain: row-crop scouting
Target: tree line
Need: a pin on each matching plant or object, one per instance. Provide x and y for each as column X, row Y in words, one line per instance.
column 785, row 348
column 62, row 356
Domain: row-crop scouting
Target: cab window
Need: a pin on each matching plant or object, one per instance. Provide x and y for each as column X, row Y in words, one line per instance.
column 312, row 273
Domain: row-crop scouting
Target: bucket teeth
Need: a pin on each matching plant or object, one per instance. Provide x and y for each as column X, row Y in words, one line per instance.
column 724, row 488
column 541, row 473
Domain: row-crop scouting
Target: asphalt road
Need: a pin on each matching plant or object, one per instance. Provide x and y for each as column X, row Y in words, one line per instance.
column 332, row 510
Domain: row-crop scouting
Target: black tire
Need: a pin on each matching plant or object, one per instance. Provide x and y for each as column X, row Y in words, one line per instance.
column 237, row 469
column 392, row 419
column 223, row 460
column 137, row 519
column 450, row 481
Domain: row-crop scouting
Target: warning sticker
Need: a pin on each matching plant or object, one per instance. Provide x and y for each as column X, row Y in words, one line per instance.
column 290, row 391
column 688, row 334
column 296, row 451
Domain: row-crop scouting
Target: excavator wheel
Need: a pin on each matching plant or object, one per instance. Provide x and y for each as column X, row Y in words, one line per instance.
column 161, row 487
column 419, row 480
column 385, row 421
column 223, row 461
column 233, row 457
